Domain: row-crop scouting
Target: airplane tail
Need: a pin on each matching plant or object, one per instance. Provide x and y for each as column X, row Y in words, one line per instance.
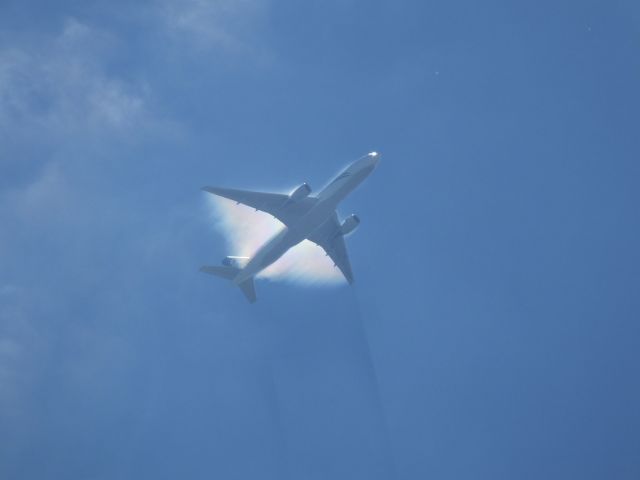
column 229, row 273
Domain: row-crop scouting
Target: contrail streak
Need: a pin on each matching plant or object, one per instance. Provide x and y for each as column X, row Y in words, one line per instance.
column 384, row 423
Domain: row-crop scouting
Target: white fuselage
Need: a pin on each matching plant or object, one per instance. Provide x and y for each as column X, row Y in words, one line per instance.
column 328, row 200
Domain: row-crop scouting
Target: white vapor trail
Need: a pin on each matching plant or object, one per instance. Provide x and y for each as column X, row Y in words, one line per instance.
column 246, row 230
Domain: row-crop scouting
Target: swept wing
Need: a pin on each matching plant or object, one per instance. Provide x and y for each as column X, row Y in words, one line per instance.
column 330, row 238
column 276, row 204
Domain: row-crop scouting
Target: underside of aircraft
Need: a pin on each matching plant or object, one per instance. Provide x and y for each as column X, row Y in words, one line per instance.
column 304, row 216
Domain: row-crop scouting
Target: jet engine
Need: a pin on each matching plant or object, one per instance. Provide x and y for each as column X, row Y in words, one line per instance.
column 349, row 224
column 299, row 193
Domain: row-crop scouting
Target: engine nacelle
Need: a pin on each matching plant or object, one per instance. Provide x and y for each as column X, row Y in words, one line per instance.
column 299, row 193
column 349, row 224
column 237, row 262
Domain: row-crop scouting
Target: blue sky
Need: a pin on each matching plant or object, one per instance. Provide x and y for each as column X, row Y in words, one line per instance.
column 493, row 328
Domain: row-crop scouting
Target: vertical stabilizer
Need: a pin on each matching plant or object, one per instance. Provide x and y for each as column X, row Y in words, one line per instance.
column 249, row 289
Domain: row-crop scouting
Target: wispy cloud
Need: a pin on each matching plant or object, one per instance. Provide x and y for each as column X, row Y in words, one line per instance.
column 60, row 85
column 64, row 94
column 21, row 349
column 246, row 230
column 60, row 94
column 57, row 92
column 227, row 25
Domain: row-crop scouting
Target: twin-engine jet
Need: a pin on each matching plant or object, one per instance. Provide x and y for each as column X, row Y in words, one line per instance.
column 304, row 216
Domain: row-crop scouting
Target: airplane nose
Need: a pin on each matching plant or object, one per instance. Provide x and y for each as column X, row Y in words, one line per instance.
column 366, row 163
column 374, row 159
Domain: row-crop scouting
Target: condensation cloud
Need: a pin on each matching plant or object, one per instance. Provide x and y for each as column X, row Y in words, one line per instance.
column 246, row 230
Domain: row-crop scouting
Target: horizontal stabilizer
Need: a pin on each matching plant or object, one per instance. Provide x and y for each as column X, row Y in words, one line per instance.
column 224, row 272
column 229, row 273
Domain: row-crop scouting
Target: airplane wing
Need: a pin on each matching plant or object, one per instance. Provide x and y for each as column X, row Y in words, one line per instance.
column 328, row 237
column 275, row 204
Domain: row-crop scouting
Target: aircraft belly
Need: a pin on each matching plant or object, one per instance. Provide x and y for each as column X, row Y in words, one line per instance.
column 276, row 251
column 303, row 219
column 287, row 238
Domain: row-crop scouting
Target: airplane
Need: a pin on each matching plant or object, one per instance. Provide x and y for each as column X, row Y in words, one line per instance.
column 305, row 216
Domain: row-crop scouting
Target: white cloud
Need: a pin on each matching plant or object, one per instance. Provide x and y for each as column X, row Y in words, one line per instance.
column 21, row 348
column 227, row 25
column 65, row 85
column 60, row 95
column 58, row 91
column 42, row 197
column 60, row 86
